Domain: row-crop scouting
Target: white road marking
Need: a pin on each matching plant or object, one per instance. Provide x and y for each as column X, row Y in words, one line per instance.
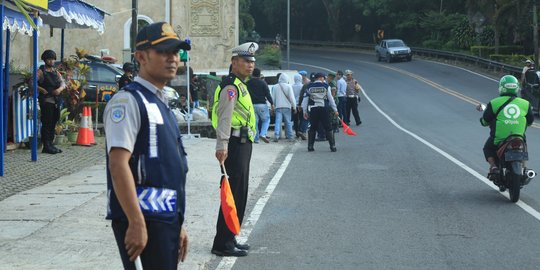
column 533, row 212
column 228, row 262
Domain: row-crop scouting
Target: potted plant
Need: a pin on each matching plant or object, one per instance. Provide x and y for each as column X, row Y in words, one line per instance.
column 66, row 128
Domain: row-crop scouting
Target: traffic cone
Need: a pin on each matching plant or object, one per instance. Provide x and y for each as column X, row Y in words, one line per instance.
column 84, row 132
column 91, row 126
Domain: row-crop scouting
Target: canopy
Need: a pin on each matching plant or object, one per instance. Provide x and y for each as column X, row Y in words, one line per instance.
column 67, row 14
column 16, row 22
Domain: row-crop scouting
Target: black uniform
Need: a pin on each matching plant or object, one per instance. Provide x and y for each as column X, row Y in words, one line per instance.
column 319, row 101
column 48, row 103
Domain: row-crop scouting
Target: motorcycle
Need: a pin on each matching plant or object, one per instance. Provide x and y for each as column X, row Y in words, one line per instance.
column 513, row 173
column 512, row 157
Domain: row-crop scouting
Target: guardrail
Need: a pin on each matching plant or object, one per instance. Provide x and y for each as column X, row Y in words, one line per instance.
column 453, row 56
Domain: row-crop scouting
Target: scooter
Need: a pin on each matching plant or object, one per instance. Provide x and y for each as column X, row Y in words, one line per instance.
column 513, row 173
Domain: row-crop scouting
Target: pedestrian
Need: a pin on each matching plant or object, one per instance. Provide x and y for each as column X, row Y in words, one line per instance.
column 193, row 90
column 318, row 101
column 146, row 160
column 298, row 116
column 528, row 66
column 341, row 93
column 260, row 95
column 285, row 104
column 233, row 117
column 305, row 78
column 50, row 86
column 127, row 77
column 304, row 123
column 353, row 89
column 333, row 87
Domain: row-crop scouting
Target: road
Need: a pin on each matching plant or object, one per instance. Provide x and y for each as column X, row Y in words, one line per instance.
column 408, row 191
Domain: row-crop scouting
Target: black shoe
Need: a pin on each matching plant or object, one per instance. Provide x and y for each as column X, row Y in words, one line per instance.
column 58, row 150
column 242, row 246
column 310, row 149
column 235, row 252
column 333, row 148
column 359, row 123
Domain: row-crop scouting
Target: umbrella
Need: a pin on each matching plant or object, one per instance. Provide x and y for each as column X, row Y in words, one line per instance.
column 228, row 207
column 346, row 129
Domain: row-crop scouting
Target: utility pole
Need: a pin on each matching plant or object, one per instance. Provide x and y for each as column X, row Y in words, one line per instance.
column 134, row 24
column 288, row 34
column 535, row 34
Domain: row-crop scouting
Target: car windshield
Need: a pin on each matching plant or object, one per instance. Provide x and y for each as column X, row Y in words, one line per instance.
column 397, row 43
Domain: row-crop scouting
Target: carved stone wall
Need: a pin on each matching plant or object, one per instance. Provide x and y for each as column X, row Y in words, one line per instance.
column 212, row 26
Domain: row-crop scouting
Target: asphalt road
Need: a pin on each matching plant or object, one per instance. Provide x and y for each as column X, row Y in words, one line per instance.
column 387, row 200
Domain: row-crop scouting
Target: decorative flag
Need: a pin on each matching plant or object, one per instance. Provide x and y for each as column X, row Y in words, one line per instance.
column 346, row 129
column 228, row 207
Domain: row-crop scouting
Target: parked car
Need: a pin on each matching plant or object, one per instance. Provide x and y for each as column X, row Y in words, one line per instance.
column 103, row 79
column 393, row 49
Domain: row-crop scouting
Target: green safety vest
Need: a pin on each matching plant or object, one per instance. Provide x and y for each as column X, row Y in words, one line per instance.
column 511, row 119
column 243, row 113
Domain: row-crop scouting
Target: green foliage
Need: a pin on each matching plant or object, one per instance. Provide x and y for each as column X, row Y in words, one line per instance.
column 432, row 44
column 270, row 55
column 513, row 59
column 463, row 34
column 482, row 51
column 487, row 37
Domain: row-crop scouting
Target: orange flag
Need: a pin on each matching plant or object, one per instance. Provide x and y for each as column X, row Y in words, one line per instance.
column 346, row 129
column 228, row 207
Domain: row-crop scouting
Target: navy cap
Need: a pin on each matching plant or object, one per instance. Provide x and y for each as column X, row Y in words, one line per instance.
column 319, row 75
column 159, row 36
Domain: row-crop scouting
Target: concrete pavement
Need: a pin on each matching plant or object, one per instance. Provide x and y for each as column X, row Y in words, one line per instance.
column 61, row 225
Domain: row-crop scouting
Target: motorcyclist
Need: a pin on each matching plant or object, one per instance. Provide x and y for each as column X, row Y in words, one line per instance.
column 505, row 115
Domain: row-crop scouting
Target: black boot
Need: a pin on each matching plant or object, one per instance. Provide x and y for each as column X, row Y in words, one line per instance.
column 331, row 140
column 58, row 150
column 47, row 148
column 311, row 140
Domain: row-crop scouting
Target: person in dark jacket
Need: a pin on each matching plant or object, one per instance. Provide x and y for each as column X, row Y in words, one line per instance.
column 260, row 94
column 50, row 86
column 127, row 78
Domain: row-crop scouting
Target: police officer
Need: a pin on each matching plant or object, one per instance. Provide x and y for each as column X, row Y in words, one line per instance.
column 233, row 117
column 318, row 101
column 127, row 77
column 146, row 161
column 50, row 86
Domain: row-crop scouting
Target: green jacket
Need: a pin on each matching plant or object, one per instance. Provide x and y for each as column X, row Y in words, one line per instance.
column 513, row 119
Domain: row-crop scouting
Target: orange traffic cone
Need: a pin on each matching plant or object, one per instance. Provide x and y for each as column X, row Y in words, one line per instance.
column 91, row 126
column 84, row 132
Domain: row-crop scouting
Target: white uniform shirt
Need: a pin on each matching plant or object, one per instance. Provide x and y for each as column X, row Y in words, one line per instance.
column 122, row 118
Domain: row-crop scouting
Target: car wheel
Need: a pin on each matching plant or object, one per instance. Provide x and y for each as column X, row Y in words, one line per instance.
column 378, row 57
column 538, row 109
column 388, row 58
column 409, row 58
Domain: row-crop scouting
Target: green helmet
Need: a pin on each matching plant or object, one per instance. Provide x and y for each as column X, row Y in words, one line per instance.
column 508, row 85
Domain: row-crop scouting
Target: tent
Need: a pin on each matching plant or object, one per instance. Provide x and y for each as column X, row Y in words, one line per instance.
column 64, row 14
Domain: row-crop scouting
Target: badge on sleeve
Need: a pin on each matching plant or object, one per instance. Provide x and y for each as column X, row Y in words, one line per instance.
column 231, row 94
column 118, row 113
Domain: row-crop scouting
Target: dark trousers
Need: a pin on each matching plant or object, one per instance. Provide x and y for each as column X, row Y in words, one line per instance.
column 49, row 117
column 296, row 121
column 237, row 166
column 319, row 116
column 342, row 106
column 161, row 251
column 352, row 104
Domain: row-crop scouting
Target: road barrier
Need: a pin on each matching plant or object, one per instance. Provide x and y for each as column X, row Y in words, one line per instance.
column 452, row 56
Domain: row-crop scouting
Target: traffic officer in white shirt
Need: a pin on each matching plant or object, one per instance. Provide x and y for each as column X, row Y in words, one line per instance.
column 146, row 161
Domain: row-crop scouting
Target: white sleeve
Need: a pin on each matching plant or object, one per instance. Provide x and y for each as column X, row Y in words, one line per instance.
column 122, row 121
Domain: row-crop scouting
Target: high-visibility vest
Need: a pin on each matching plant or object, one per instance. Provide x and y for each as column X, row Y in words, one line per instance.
column 243, row 113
